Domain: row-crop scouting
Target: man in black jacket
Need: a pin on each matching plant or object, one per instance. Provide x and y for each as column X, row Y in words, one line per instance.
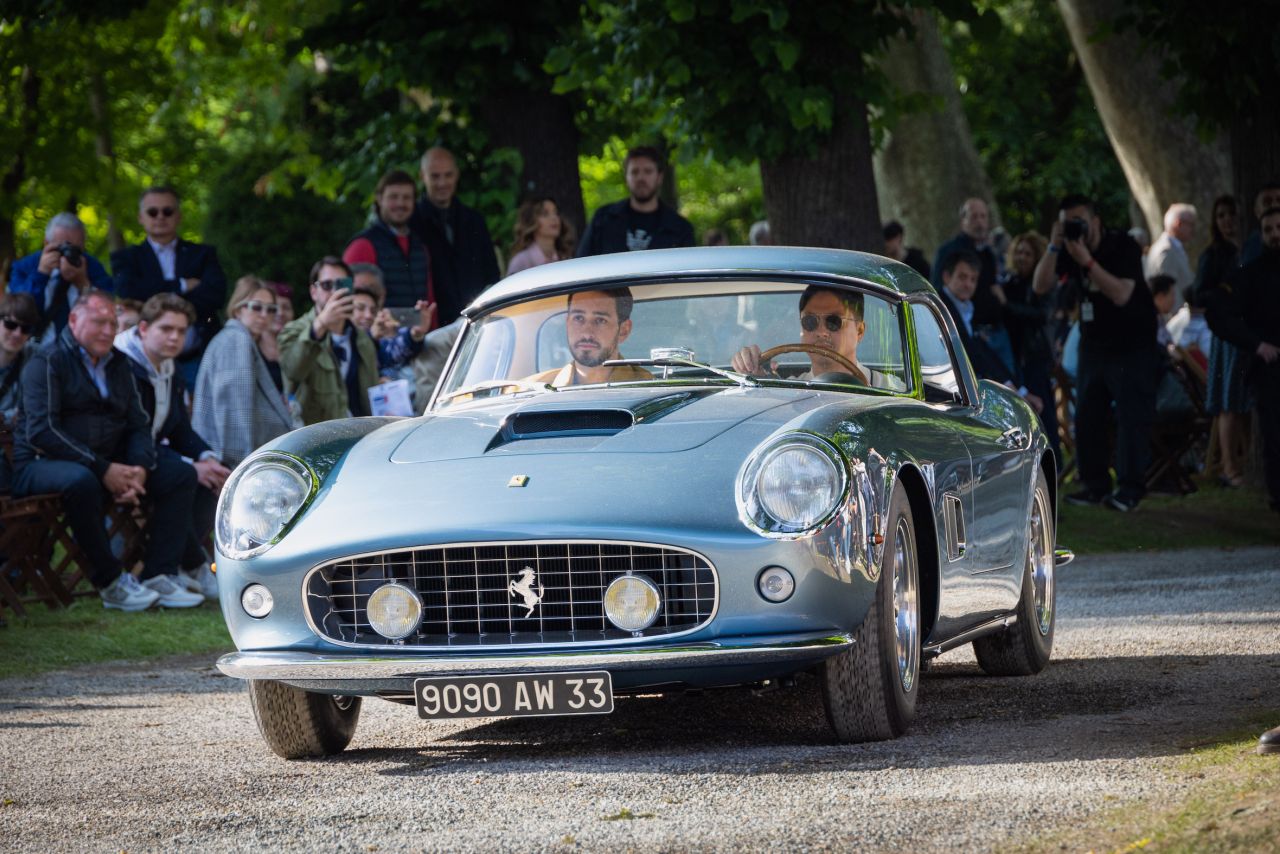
column 641, row 221
column 165, row 263
column 82, row 433
column 151, row 347
column 463, row 262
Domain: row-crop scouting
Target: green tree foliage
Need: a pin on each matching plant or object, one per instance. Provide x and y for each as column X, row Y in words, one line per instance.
column 737, row 78
column 274, row 236
column 1032, row 116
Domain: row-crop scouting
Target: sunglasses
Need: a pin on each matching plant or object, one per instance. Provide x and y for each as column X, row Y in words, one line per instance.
column 11, row 324
column 258, row 306
column 334, row 284
column 833, row 322
column 156, row 212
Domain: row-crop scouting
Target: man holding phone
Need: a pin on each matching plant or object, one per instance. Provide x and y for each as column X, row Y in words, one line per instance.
column 330, row 363
column 1119, row 360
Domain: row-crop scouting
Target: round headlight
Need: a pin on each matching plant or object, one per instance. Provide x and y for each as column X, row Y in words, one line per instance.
column 394, row 611
column 631, row 602
column 258, row 503
column 791, row 486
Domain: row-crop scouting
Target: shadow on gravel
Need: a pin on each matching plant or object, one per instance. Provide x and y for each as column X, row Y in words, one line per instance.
column 1078, row 709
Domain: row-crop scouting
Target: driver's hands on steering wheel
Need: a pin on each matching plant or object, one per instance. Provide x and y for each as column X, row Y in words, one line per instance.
column 747, row 361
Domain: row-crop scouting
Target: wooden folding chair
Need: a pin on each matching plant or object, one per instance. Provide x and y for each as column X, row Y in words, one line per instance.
column 1173, row 438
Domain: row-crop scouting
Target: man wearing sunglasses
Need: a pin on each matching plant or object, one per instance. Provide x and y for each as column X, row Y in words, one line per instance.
column 57, row 274
column 18, row 319
column 165, row 263
column 329, row 361
column 832, row 319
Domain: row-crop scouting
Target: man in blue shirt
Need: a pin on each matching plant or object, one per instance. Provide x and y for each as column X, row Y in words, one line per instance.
column 59, row 273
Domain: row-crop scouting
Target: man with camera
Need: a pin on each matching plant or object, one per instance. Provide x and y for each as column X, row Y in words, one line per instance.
column 1119, row 361
column 59, row 273
column 330, row 362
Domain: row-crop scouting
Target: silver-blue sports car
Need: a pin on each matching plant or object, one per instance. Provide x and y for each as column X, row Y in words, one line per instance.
column 649, row 472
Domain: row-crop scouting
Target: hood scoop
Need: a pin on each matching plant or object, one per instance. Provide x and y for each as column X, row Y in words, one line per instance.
column 561, row 423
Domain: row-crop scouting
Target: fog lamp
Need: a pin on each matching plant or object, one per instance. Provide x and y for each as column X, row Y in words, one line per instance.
column 776, row 584
column 256, row 601
column 394, row 611
column 631, row 602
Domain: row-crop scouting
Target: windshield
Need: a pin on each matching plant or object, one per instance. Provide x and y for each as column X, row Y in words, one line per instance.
column 843, row 338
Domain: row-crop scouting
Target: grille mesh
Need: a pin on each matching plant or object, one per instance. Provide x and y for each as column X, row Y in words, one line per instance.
column 468, row 598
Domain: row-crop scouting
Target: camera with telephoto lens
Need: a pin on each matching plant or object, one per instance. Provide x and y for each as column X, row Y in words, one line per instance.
column 71, row 252
column 1075, row 229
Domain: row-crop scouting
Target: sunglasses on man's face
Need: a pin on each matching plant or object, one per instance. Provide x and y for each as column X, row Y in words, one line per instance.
column 11, row 324
column 156, row 212
column 833, row 322
column 258, row 306
column 327, row 285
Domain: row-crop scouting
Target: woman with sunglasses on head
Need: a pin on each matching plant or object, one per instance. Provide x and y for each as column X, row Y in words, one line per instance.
column 19, row 318
column 541, row 236
column 239, row 397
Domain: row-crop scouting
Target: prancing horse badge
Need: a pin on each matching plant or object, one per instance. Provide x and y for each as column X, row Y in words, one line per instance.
column 524, row 588
column 518, row 480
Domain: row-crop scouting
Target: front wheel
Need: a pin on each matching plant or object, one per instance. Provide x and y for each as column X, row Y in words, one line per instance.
column 870, row 689
column 1024, row 648
column 298, row 724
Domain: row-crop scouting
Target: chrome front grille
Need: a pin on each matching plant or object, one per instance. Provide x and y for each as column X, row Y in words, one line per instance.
column 468, row 600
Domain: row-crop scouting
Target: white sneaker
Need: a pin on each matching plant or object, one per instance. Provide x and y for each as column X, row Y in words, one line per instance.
column 172, row 593
column 202, row 581
column 187, row 578
column 126, row 594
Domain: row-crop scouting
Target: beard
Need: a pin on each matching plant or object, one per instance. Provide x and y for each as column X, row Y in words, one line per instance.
column 644, row 196
column 593, row 358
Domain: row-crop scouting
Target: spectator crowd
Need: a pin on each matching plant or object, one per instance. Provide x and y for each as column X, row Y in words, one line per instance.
column 146, row 385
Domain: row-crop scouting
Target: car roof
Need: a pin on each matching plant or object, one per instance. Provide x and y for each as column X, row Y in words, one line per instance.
column 789, row 261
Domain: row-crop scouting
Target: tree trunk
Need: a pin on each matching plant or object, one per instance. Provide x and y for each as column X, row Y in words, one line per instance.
column 12, row 180
column 541, row 127
column 1161, row 155
column 104, row 147
column 828, row 199
column 929, row 165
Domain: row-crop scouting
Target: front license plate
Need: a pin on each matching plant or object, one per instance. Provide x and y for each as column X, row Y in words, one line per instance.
column 586, row 693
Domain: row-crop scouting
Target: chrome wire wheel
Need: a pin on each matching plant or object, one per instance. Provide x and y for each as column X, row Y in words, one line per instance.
column 1042, row 563
column 906, row 606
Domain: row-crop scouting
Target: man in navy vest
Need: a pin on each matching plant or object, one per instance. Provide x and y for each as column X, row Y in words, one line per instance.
column 165, row 263
column 392, row 247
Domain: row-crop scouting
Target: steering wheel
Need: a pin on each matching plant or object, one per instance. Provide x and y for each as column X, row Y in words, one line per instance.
column 854, row 370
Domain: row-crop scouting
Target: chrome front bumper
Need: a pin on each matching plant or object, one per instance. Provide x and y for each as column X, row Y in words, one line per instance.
column 735, row 652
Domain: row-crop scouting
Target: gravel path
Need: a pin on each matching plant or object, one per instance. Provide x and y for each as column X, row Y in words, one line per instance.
column 1155, row 653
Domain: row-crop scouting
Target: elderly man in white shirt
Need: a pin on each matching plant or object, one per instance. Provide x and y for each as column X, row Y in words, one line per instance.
column 1168, row 255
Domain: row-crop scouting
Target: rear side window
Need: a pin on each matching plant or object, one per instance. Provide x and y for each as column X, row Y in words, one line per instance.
column 937, row 366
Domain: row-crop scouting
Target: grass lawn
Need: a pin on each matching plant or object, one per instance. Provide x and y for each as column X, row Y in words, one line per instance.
column 1212, row 516
column 1232, row 806
column 87, row 633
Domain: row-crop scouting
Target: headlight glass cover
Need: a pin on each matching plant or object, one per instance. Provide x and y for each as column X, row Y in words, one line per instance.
column 259, row 502
column 791, row 486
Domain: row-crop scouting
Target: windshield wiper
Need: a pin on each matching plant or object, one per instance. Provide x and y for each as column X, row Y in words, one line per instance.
column 678, row 362
column 493, row 385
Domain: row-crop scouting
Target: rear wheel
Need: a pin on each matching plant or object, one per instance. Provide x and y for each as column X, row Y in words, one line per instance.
column 870, row 689
column 298, row 724
column 1024, row 648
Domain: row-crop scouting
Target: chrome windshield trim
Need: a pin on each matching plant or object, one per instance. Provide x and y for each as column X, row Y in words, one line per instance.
column 732, row 651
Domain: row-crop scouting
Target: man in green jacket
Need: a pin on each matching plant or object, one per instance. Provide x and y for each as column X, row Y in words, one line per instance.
column 325, row 357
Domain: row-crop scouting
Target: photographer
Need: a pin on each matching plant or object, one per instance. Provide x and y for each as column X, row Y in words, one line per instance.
column 57, row 274
column 1119, row 361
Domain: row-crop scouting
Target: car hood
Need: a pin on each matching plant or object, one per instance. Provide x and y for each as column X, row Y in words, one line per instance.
column 622, row 421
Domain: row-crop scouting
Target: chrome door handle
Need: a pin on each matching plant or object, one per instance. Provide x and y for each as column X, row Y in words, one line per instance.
column 1011, row 438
